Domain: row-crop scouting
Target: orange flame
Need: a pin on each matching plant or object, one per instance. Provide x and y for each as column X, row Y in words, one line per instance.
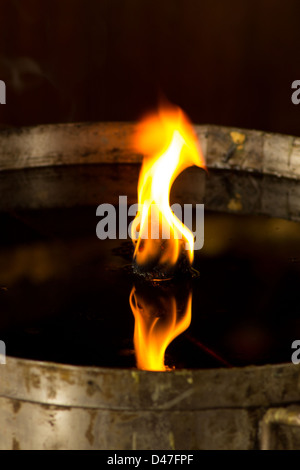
column 169, row 145
column 157, row 323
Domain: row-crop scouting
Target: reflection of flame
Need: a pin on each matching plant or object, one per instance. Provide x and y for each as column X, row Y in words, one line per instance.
column 158, row 320
column 170, row 146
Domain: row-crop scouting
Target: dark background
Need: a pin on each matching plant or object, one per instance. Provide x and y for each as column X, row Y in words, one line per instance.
column 227, row 62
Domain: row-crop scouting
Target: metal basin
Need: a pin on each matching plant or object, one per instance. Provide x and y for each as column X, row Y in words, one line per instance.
column 47, row 405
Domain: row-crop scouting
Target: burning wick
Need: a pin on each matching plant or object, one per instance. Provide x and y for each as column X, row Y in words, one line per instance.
column 164, row 246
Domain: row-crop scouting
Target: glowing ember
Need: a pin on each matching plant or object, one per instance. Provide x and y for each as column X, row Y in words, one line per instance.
column 162, row 241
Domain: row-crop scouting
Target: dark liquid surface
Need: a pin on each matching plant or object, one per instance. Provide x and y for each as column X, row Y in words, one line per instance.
column 64, row 294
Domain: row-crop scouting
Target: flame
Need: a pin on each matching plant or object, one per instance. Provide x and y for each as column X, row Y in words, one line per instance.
column 169, row 145
column 157, row 323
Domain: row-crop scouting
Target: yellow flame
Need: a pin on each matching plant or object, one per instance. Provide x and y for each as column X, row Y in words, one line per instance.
column 154, row 330
column 170, row 146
